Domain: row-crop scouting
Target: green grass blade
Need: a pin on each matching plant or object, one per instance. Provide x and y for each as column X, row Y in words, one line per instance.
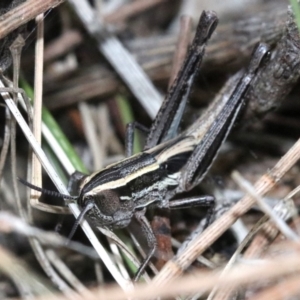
column 57, row 133
column 296, row 10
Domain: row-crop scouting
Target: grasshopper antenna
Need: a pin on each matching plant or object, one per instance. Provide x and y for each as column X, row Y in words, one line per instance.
column 89, row 206
column 47, row 192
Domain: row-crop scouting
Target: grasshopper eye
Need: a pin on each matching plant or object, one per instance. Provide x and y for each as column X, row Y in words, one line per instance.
column 108, row 202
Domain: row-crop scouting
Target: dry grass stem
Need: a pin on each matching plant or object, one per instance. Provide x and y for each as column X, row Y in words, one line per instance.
column 10, row 223
column 61, row 187
column 36, row 175
column 94, row 68
column 121, row 59
column 282, row 226
column 90, row 130
column 289, row 288
column 200, row 281
column 261, row 235
column 15, row 49
column 66, row 273
column 177, row 265
column 25, row 279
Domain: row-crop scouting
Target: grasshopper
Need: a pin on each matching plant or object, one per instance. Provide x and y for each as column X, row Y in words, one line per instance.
column 170, row 163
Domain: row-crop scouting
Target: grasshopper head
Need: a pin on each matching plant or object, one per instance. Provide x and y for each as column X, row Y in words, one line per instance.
column 108, row 209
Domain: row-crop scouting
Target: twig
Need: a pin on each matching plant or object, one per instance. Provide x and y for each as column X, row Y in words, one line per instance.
column 24, row 13
column 201, row 259
column 201, row 242
column 155, row 55
column 126, row 66
column 267, row 232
